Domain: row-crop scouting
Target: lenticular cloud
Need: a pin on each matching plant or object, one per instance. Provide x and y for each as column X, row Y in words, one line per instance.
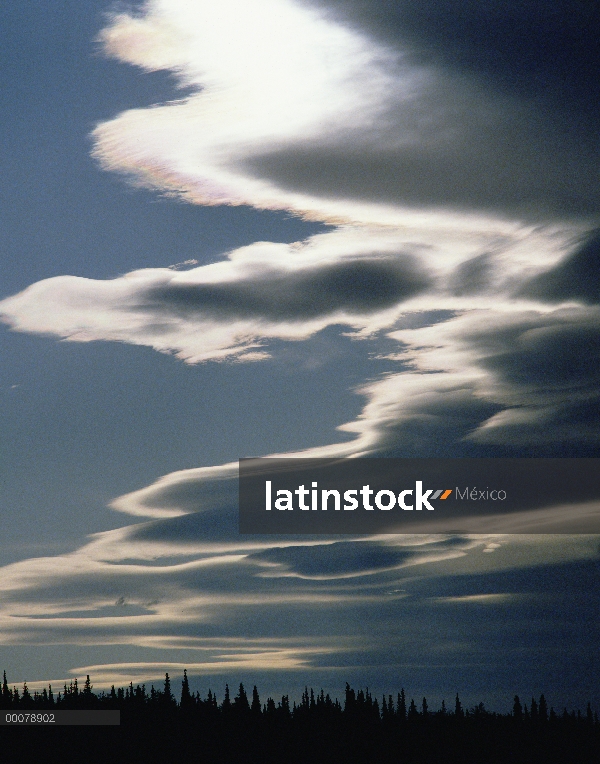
column 445, row 192
column 462, row 219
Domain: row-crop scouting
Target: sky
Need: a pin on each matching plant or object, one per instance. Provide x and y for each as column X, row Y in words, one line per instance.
column 330, row 228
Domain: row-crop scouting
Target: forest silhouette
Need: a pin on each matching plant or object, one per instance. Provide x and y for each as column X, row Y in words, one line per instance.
column 318, row 728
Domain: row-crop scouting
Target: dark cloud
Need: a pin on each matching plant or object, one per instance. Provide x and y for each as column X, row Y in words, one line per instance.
column 531, row 47
column 334, row 559
column 353, row 286
column 475, row 157
column 502, row 115
column 473, row 276
column 559, row 355
column 575, row 278
column 437, row 425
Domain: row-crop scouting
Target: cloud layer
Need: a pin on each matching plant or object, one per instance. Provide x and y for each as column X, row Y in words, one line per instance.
column 459, row 174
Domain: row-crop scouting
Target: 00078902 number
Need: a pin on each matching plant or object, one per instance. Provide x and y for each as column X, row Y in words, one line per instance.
column 29, row 718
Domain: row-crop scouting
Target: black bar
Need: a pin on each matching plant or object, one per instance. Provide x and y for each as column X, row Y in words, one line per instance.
column 419, row 496
column 58, row 718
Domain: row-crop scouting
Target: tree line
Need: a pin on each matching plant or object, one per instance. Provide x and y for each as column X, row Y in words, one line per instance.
column 356, row 704
column 361, row 728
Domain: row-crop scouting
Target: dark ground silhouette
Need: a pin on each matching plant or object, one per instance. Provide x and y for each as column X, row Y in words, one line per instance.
column 155, row 726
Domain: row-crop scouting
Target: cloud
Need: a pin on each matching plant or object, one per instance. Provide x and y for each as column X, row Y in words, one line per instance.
column 576, row 278
column 461, row 192
column 354, row 287
column 354, row 126
column 530, row 48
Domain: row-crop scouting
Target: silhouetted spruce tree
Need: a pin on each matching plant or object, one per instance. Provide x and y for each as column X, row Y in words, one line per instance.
column 543, row 709
column 412, row 710
column 226, row 704
column 534, row 710
column 458, row 709
column 240, row 702
column 401, row 710
column 255, row 707
column 166, row 697
column 384, row 710
column 284, row 707
column 87, row 697
column 424, row 708
column 6, row 694
column 26, row 699
column 186, row 698
column 517, row 709
column 350, row 700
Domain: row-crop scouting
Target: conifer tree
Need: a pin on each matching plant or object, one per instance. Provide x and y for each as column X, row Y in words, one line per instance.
column 6, row 693
column 534, row 710
column 543, row 709
column 458, row 709
column 350, row 698
column 517, row 709
column 402, row 705
column 26, row 699
column 226, row 704
column 255, row 707
column 186, row 698
column 240, row 702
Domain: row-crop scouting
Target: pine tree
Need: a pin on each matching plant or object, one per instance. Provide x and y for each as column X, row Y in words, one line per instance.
column 240, row 702
column 517, row 709
column 186, row 698
column 543, row 709
column 350, row 698
column 458, row 709
column 534, row 710
column 255, row 707
column 6, row 694
column 226, row 704
column 167, row 696
column 425, row 710
column 402, row 705
column 26, row 699
column 384, row 709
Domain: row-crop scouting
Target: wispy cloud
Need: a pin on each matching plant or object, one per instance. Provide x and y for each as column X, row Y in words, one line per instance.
column 464, row 212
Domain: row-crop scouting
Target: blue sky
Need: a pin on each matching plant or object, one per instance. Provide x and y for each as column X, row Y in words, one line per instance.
column 322, row 228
